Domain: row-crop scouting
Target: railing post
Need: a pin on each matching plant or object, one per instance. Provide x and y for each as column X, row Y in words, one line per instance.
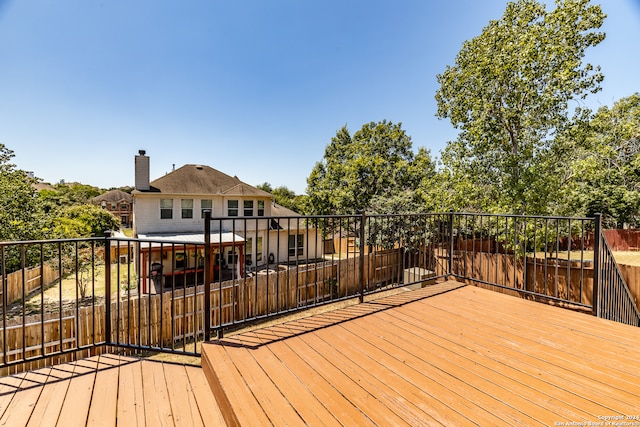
column 450, row 243
column 107, row 285
column 597, row 236
column 207, row 275
column 363, row 218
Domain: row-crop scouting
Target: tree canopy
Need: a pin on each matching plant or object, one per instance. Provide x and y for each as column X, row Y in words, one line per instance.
column 21, row 215
column 607, row 170
column 508, row 93
column 283, row 196
column 85, row 221
column 377, row 160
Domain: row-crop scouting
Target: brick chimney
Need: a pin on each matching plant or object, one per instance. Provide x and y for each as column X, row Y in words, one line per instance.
column 142, row 171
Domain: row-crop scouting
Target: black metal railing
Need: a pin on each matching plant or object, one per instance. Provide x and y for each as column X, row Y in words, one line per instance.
column 50, row 304
column 293, row 263
column 542, row 258
column 615, row 302
column 169, row 293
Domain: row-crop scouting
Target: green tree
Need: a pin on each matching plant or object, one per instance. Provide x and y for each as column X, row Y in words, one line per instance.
column 21, row 216
column 84, row 221
column 607, row 171
column 283, row 196
column 62, row 195
column 376, row 161
column 509, row 94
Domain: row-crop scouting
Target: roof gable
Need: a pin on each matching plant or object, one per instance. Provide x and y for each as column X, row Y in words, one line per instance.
column 200, row 179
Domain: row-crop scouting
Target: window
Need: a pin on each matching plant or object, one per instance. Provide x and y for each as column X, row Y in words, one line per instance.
column 296, row 245
column 260, row 207
column 180, row 260
column 124, row 206
column 248, row 243
column 248, row 208
column 187, row 208
column 259, row 249
column 232, row 256
column 232, row 208
column 104, row 205
column 205, row 205
column 114, row 206
column 166, row 208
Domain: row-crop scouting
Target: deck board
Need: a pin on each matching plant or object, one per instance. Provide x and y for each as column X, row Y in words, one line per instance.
column 109, row 390
column 446, row 354
column 130, row 412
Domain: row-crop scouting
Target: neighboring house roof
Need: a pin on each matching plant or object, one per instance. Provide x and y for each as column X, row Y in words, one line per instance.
column 113, row 196
column 199, row 179
column 39, row 186
column 277, row 210
column 281, row 222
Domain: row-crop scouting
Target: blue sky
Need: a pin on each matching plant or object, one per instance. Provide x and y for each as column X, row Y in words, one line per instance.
column 254, row 88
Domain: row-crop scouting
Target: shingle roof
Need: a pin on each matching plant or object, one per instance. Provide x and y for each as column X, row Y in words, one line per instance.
column 200, row 179
column 114, row 196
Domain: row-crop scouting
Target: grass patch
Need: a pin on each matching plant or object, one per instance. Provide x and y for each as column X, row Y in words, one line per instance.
column 622, row 257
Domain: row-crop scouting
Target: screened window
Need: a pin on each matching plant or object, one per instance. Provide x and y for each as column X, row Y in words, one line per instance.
column 232, row 208
column 166, row 208
column 248, row 244
column 248, row 208
column 205, row 205
column 296, row 245
column 258, row 249
column 187, row 208
column 260, row 207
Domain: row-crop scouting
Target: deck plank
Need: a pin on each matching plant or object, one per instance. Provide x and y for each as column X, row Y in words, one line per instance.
column 27, row 398
column 183, row 403
column 453, row 356
column 610, row 389
column 103, row 409
column 156, row 396
column 75, row 409
column 233, row 389
column 109, row 390
column 512, row 379
column 49, row 405
column 131, row 411
column 321, row 388
column 366, row 399
column 288, row 386
column 209, row 411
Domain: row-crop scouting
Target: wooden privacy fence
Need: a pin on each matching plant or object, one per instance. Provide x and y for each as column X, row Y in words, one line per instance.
column 623, row 240
column 30, row 278
column 557, row 278
column 168, row 320
column 631, row 274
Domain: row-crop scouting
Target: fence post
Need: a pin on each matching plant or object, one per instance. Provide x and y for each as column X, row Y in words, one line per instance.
column 207, row 275
column 597, row 236
column 107, row 285
column 450, row 243
column 363, row 218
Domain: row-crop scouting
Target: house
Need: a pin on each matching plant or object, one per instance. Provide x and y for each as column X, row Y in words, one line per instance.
column 119, row 203
column 248, row 231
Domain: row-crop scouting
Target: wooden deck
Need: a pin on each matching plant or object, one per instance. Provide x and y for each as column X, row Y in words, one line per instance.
column 442, row 355
column 109, row 390
column 447, row 354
